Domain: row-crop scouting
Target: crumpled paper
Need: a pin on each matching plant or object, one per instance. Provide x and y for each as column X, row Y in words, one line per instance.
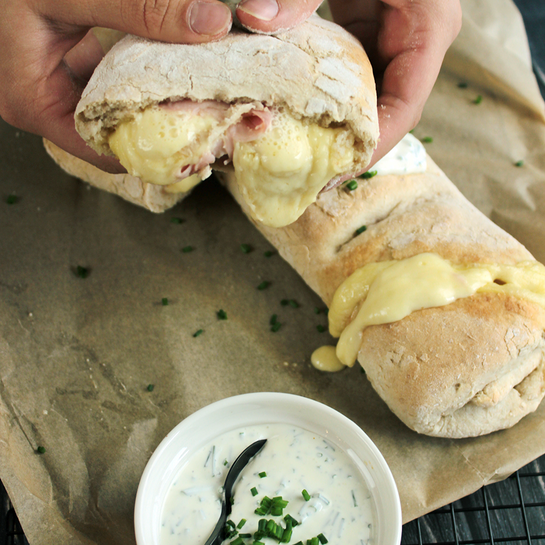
column 100, row 302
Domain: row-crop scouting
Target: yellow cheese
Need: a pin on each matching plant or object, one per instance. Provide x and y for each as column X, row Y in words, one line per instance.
column 381, row 293
column 279, row 174
column 158, row 143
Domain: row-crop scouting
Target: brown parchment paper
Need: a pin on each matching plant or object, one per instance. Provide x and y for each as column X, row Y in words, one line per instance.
column 77, row 354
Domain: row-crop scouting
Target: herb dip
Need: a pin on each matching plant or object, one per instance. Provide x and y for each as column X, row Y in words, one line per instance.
column 340, row 507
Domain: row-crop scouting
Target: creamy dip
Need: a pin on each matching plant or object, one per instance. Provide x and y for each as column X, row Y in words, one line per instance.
column 340, row 506
column 407, row 157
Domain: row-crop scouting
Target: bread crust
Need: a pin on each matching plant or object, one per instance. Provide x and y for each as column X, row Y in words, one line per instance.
column 316, row 71
column 132, row 189
column 465, row 369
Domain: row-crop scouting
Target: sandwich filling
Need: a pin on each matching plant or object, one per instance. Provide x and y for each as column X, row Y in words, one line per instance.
column 281, row 163
column 385, row 292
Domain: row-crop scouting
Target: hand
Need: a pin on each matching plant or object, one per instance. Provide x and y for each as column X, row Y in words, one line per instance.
column 48, row 52
column 406, row 41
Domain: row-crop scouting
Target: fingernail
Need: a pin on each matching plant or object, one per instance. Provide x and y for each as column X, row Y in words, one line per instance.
column 209, row 19
column 265, row 10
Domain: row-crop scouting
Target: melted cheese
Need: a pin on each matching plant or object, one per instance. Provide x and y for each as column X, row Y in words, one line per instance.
column 385, row 292
column 158, row 143
column 279, row 174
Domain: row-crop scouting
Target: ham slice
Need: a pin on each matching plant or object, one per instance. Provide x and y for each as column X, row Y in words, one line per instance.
column 245, row 128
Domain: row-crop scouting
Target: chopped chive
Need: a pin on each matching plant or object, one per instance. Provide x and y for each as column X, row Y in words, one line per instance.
column 293, row 303
column 427, row 139
column 361, row 229
column 246, row 248
column 519, row 163
column 225, row 463
column 313, row 541
column 82, row 272
column 354, row 499
column 221, row 314
column 273, row 320
column 284, row 302
column 241, row 523
column 258, row 543
column 198, row 332
column 262, row 474
column 40, row 450
column 320, row 328
column 269, row 253
column 322, row 538
column 11, row 199
column 317, row 310
column 305, row 494
column 462, row 85
column 177, row 221
column 276, row 326
column 187, row 249
column 352, row 184
column 245, row 536
column 478, row 99
column 230, row 523
column 291, row 521
column 164, row 301
column 368, row 174
column 237, row 541
column 264, row 285
column 254, row 491
column 150, row 387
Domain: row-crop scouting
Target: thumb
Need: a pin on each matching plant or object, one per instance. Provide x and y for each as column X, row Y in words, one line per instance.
column 270, row 16
column 177, row 21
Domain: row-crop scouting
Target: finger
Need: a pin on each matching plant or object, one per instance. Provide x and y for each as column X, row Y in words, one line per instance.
column 270, row 16
column 177, row 21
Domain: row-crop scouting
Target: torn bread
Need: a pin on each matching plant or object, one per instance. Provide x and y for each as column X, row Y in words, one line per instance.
column 466, row 368
column 290, row 113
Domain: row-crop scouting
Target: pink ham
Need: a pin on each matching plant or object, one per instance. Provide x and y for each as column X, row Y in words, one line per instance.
column 248, row 127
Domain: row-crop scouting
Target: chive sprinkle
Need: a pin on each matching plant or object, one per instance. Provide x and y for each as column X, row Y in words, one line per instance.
column 187, row 249
column 150, row 387
column 293, row 303
column 246, row 248
column 198, row 332
column 164, row 301
column 40, row 450
column 225, row 463
column 305, row 494
column 519, row 163
column 237, row 541
column 177, row 221
column 273, row 320
column 11, row 199
column 361, row 229
column 427, row 139
column 285, row 302
column 462, row 85
column 368, row 174
column 276, row 326
column 262, row 474
column 269, row 253
column 478, row 99
column 254, row 491
column 320, row 328
column 317, row 310
column 82, row 272
column 241, row 523
column 221, row 314
column 264, row 285
column 352, row 184
column 322, row 539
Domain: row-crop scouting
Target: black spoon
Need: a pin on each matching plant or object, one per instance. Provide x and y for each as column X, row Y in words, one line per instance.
column 216, row 537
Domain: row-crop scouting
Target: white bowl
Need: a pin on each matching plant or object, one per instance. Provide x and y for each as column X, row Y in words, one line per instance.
column 236, row 412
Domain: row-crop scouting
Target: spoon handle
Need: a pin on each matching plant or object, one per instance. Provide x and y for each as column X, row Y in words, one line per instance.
column 216, row 537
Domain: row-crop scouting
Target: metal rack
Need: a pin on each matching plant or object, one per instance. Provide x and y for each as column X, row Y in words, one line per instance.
column 509, row 512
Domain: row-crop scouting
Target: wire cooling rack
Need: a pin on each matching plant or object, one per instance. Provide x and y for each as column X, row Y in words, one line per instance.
column 510, row 512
